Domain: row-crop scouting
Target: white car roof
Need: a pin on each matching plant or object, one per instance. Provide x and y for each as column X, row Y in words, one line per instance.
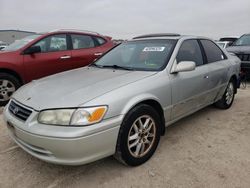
column 167, row 36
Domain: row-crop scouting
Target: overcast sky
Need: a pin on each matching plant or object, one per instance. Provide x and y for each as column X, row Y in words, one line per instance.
column 128, row 18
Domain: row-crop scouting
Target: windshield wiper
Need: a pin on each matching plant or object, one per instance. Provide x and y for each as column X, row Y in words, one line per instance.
column 111, row 66
column 95, row 65
column 117, row 67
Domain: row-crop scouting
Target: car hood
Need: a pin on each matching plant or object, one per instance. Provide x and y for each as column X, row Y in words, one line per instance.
column 239, row 49
column 74, row 88
column 5, row 54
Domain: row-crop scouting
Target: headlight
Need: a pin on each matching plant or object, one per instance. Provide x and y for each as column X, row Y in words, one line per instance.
column 56, row 117
column 79, row 116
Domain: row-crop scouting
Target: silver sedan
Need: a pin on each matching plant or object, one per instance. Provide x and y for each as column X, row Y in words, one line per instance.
column 121, row 104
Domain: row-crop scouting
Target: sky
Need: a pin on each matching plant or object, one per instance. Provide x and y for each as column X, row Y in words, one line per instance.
column 128, row 18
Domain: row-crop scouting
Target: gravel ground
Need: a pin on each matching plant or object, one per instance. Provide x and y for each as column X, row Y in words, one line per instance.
column 208, row 149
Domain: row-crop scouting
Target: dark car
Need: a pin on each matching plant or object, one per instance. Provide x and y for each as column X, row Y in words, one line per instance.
column 229, row 40
column 41, row 55
column 241, row 48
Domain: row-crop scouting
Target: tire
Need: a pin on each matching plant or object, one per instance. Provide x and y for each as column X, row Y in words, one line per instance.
column 227, row 99
column 148, row 137
column 8, row 85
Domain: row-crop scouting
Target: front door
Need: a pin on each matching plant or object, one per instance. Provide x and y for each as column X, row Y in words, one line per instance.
column 54, row 57
column 189, row 89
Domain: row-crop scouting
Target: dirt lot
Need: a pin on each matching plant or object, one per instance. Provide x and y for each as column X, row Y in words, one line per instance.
column 208, row 149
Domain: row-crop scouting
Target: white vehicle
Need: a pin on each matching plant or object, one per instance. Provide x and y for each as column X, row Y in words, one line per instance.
column 223, row 44
column 120, row 104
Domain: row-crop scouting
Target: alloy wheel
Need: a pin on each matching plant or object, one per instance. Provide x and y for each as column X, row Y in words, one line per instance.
column 141, row 136
column 229, row 93
column 7, row 88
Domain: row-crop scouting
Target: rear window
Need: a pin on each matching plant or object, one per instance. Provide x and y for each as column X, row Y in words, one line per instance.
column 99, row 41
column 213, row 52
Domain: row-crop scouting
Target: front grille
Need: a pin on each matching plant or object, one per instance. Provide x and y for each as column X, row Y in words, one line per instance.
column 19, row 111
column 244, row 57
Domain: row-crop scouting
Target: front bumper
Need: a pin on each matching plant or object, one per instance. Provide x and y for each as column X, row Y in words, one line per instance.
column 73, row 147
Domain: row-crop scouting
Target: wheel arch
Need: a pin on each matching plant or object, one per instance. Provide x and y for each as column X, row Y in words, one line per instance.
column 234, row 79
column 14, row 73
column 156, row 105
column 151, row 101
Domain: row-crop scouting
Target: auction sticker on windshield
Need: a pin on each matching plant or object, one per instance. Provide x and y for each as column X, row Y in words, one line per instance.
column 153, row 49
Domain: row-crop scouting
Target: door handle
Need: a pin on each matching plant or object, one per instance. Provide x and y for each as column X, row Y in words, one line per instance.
column 98, row 54
column 206, row 77
column 65, row 57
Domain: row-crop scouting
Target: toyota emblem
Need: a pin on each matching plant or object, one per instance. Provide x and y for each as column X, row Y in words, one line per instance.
column 15, row 110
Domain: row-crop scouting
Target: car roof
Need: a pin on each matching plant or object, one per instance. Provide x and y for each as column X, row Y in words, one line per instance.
column 158, row 35
column 229, row 37
column 71, row 31
column 166, row 36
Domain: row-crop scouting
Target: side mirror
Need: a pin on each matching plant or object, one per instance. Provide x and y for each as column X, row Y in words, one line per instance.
column 33, row 50
column 184, row 66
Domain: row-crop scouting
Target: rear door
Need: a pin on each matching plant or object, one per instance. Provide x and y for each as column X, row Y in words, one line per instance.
column 218, row 67
column 86, row 48
column 55, row 57
column 189, row 89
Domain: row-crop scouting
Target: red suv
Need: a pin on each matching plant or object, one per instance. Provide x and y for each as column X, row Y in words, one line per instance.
column 40, row 55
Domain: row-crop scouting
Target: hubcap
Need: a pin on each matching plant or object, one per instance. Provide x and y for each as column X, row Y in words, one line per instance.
column 7, row 88
column 229, row 93
column 141, row 136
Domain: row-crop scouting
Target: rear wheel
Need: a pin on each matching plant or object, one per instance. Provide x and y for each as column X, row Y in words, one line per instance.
column 227, row 100
column 139, row 135
column 8, row 85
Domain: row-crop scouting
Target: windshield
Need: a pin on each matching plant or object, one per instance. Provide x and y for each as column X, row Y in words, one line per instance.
column 242, row 41
column 150, row 55
column 20, row 43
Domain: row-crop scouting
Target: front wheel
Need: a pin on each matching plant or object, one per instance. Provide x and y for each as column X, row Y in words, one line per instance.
column 139, row 135
column 8, row 85
column 227, row 99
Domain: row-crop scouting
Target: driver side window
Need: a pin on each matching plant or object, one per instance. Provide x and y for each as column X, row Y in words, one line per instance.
column 190, row 51
column 42, row 44
column 53, row 43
